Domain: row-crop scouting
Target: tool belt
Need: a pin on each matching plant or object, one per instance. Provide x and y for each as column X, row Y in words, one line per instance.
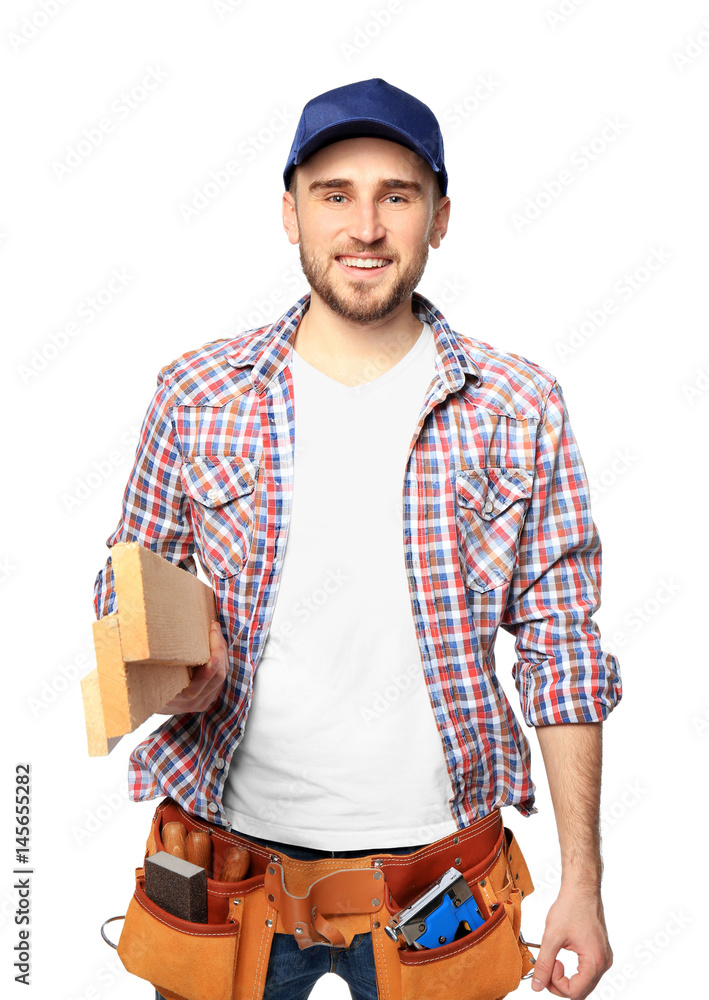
column 327, row 901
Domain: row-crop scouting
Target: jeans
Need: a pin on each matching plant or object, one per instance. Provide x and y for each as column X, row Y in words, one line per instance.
column 292, row 973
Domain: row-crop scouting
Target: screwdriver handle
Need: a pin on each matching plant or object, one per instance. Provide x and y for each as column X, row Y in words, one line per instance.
column 199, row 849
column 235, row 864
column 174, row 837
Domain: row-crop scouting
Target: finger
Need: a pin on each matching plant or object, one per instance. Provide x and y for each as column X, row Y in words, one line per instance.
column 216, row 640
column 584, row 980
column 200, row 692
column 183, row 704
column 218, row 649
column 559, row 980
column 203, row 676
column 208, row 677
column 544, row 966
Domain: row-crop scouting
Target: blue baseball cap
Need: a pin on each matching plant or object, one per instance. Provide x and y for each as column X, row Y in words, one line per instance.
column 368, row 108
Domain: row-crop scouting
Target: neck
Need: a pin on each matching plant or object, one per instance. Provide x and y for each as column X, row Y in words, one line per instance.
column 325, row 336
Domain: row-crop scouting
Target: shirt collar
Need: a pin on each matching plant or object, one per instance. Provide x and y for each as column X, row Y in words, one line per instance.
column 270, row 349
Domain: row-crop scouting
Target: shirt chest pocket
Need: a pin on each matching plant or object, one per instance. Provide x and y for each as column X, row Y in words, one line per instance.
column 222, row 502
column 490, row 508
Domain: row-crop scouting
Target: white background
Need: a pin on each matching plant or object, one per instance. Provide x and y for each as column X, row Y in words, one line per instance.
column 520, row 89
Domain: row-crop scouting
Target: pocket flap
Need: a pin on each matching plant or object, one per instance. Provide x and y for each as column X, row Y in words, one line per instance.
column 519, row 872
column 490, row 491
column 216, row 481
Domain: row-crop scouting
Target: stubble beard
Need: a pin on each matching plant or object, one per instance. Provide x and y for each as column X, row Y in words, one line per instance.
column 363, row 303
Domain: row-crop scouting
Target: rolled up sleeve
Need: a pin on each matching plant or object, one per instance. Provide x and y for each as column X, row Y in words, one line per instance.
column 155, row 511
column 561, row 671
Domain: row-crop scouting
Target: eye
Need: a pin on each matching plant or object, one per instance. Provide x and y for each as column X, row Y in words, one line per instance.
column 397, row 196
column 331, row 196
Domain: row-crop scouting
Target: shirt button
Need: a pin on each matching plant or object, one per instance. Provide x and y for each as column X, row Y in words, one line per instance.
column 213, row 807
column 219, row 763
column 213, row 494
column 489, row 506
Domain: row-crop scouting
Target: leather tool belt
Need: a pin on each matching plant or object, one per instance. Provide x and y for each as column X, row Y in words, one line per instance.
column 326, row 902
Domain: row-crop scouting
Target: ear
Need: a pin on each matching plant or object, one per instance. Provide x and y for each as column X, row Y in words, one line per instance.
column 290, row 219
column 440, row 227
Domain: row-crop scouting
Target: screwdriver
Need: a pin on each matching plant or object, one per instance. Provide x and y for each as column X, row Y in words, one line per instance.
column 174, row 838
column 235, row 864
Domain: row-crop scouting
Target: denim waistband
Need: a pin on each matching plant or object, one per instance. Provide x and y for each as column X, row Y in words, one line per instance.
column 313, row 853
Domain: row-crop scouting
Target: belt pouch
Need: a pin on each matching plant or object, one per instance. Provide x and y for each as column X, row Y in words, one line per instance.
column 224, row 959
column 485, row 964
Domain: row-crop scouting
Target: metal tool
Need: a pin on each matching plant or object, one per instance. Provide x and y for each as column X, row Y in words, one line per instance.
column 444, row 912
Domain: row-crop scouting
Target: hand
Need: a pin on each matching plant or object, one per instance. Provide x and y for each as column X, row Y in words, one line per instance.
column 207, row 680
column 574, row 922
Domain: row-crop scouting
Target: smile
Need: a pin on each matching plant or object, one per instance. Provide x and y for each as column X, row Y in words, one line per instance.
column 366, row 264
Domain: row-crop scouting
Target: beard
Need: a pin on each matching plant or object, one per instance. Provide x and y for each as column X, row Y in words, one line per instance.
column 362, row 302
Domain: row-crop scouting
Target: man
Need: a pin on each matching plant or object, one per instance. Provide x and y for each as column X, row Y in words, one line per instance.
column 429, row 489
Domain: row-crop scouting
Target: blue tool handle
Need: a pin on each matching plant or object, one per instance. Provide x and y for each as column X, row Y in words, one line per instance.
column 444, row 921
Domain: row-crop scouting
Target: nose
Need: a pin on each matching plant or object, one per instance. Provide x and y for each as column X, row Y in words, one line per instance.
column 365, row 223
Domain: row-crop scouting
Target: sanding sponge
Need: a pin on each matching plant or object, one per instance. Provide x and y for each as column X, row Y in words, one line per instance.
column 177, row 886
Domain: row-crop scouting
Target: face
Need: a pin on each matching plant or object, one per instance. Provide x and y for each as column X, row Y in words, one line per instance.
column 365, row 213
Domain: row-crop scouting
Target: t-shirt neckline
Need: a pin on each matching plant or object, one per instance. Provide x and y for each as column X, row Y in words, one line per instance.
column 411, row 355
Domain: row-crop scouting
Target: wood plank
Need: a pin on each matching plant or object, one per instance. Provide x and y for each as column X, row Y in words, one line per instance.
column 98, row 743
column 165, row 612
column 131, row 692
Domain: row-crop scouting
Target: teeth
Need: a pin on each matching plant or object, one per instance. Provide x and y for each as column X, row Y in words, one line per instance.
column 364, row 262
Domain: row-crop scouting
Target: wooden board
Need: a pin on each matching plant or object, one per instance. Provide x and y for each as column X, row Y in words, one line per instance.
column 147, row 648
column 164, row 611
column 98, row 743
column 131, row 692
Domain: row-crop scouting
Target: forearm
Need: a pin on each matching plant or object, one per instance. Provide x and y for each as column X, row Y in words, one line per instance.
column 572, row 756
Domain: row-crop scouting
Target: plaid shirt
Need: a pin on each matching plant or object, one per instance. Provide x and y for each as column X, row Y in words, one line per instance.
column 496, row 531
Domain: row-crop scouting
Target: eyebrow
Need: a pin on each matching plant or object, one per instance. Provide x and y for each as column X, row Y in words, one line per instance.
column 390, row 182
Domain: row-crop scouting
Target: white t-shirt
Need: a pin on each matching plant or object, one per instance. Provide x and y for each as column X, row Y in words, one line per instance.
column 340, row 749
